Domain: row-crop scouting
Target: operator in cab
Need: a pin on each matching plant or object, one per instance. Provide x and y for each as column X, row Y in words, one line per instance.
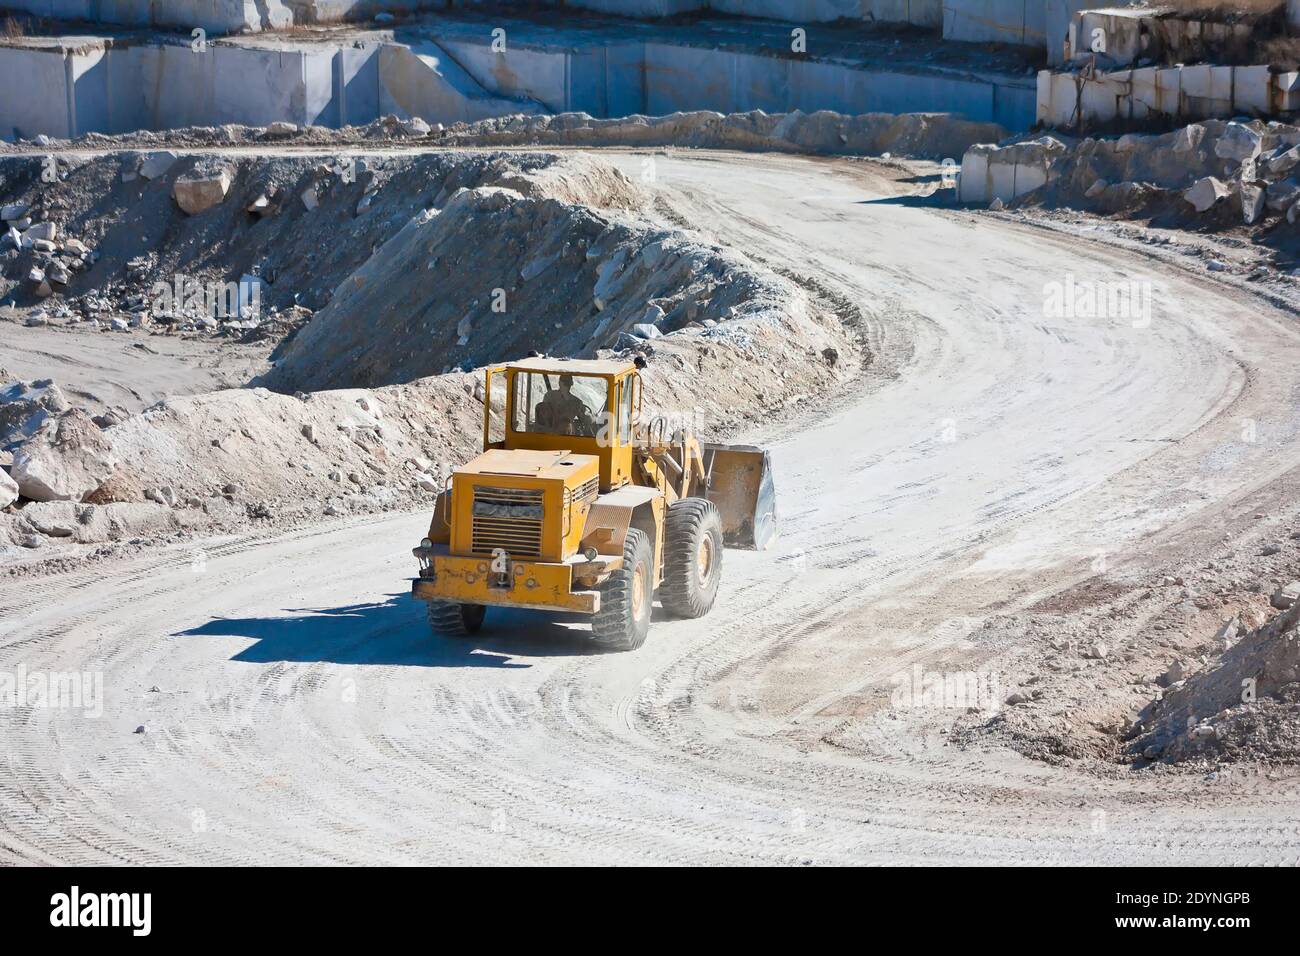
column 560, row 412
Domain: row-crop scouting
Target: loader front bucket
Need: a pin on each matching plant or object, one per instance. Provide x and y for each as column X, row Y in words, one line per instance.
column 740, row 485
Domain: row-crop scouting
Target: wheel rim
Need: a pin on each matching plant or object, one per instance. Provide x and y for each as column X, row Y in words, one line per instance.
column 638, row 591
column 704, row 559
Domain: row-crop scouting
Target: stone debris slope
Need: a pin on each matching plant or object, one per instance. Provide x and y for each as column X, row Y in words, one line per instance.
column 495, row 275
column 135, row 235
column 1245, row 705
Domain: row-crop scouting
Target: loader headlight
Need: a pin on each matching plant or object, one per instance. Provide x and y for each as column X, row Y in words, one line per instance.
column 423, row 556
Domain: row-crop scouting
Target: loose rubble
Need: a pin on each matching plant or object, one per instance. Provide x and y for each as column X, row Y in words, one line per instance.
column 1187, row 173
column 917, row 135
column 1243, row 705
column 252, row 267
column 548, row 275
column 67, row 459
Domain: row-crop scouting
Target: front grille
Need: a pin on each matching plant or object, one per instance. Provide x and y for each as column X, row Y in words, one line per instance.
column 577, row 498
column 587, row 492
column 508, row 518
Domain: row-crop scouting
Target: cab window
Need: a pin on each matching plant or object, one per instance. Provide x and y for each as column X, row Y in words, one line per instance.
column 626, row 411
column 553, row 403
column 494, row 410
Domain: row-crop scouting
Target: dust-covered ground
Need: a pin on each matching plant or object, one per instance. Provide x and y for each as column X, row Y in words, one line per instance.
column 1051, row 518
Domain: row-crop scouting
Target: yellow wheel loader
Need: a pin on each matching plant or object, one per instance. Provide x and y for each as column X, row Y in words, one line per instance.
column 576, row 505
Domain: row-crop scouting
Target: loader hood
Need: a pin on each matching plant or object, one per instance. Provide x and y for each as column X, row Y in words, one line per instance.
column 525, row 503
column 523, row 463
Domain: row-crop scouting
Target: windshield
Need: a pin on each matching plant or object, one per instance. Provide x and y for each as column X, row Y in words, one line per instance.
column 560, row 404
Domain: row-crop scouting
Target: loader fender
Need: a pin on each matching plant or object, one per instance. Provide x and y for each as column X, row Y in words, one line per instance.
column 613, row 513
column 440, row 524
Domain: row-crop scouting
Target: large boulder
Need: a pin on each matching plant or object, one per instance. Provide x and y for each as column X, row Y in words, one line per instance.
column 1238, row 142
column 1204, row 193
column 1282, row 160
column 199, row 192
column 157, row 164
column 120, row 520
column 54, row 519
column 91, row 524
column 1280, row 196
column 1188, row 138
column 1285, row 596
column 26, row 406
column 1252, row 202
column 65, row 461
column 1005, row 173
column 8, row 489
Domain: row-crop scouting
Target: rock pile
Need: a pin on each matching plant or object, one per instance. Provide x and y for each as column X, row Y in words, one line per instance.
column 918, row 135
column 455, row 261
column 1246, row 704
column 50, row 451
column 245, row 249
column 515, row 274
column 45, row 258
column 25, row 407
column 67, row 459
column 1216, row 172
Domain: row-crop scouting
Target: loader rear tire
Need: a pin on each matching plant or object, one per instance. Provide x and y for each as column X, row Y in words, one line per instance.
column 692, row 557
column 623, row 620
column 449, row 619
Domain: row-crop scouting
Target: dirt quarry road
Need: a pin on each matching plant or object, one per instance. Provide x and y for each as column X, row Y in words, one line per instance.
column 296, row 710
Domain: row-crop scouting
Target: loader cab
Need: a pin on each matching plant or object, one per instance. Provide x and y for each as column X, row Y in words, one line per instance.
column 588, row 407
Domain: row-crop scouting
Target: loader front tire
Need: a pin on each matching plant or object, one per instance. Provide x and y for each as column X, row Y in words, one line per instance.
column 623, row 620
column 449, row 619
column 692, row 557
